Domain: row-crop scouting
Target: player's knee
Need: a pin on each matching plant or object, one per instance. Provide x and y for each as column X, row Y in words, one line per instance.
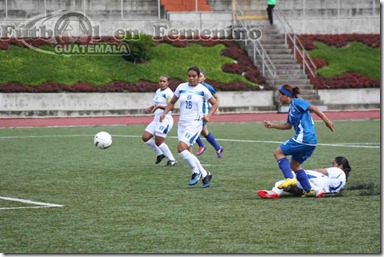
column 159, row 140
column 181, row 146
column 146, row 137
column 278, row 154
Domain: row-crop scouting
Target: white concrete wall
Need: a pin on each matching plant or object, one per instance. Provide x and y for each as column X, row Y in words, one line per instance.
column 335, row 25
column 75, row 101
column 200, row 20
column 114, row 101
column 134, row 101
column 351, row 96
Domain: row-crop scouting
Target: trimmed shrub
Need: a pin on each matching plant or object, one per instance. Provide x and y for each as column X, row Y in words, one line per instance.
column 139, row 48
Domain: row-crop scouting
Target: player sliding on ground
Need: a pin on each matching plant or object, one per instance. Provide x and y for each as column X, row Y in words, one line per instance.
column 324, row 181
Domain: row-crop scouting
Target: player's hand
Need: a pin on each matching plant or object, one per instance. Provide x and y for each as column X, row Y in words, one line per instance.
column 268, row 124
column 206, row 118
column 154, row 109
column 162, row 117
column 330, row 125
column 148, row 110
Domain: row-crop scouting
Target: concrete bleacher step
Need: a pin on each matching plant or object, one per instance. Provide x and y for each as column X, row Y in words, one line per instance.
column 275, row 46
column 296, row 81
column 280, row 56
column 284, row 67
column 291, row 72
column 95, row 9
column 283, row 61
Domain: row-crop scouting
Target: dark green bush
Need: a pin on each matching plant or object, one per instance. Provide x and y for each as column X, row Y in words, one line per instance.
column 140, row 47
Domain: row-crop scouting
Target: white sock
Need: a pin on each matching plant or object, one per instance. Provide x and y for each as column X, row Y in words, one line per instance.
column 151, row 144
column 200, row 167
column 165, row 149
column 190, row 160
column 276, row 189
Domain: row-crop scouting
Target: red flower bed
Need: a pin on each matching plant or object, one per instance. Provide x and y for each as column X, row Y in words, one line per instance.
column 339, row 40
column 346, row 80
column 319, row 62
column 243, row 66
column 116, row 86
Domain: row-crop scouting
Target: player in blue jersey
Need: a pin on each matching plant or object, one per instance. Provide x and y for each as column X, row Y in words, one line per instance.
column 160, row 129
column 192, row 96
column 302, row 145
column 205, row 133
column 324, row 180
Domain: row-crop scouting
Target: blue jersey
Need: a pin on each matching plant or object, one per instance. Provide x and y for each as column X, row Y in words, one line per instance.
column 301, row 119
column 206, row 104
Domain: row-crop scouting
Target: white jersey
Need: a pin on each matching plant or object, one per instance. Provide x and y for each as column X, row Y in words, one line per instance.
column 336, row 179
column 162, row 98
column 331, row 183
column 191, row 101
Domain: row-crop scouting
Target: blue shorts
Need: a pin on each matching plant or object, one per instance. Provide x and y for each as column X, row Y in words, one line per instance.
column 299, row 152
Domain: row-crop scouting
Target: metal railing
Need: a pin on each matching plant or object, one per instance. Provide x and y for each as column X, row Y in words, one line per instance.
column 258, row 50
column 297, row 46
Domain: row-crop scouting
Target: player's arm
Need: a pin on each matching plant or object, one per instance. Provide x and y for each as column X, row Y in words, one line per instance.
column 281, row 126
column 169, row 107
column 216, row 96
column 149, row 109
column 322, row 116
column 214, row 107
column 322, row 171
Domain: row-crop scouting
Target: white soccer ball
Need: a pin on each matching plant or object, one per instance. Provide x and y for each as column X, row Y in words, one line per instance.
column 102, row 140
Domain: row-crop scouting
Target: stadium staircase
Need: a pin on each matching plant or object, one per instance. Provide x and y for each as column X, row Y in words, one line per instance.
column 285, row 67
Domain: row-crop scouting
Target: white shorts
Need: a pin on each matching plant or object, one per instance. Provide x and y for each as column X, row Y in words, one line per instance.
column 160, row 129
column 188, row 132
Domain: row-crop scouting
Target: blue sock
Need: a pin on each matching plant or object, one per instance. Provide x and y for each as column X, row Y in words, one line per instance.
column 303, row 179
column 199, row 142
column 211, row 139
column 285, row 167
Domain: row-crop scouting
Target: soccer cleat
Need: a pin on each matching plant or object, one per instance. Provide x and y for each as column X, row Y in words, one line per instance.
column 159, row 158
column 194, row 179
column 219, row 152
column 311, row 193
column 320, row 194
column 288, row 182
column 267, row 194
column 207, row 180
column 201, row 150
column 171, row 163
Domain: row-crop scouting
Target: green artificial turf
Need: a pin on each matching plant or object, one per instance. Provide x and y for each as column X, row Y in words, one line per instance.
column 119, row 201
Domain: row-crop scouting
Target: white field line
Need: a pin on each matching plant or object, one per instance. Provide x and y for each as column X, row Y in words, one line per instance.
column 40, row 204
column 368, row 145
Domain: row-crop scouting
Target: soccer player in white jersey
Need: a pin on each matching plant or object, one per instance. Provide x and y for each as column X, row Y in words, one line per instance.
column 192, row 96
column 323, row 180
column 158, row 128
